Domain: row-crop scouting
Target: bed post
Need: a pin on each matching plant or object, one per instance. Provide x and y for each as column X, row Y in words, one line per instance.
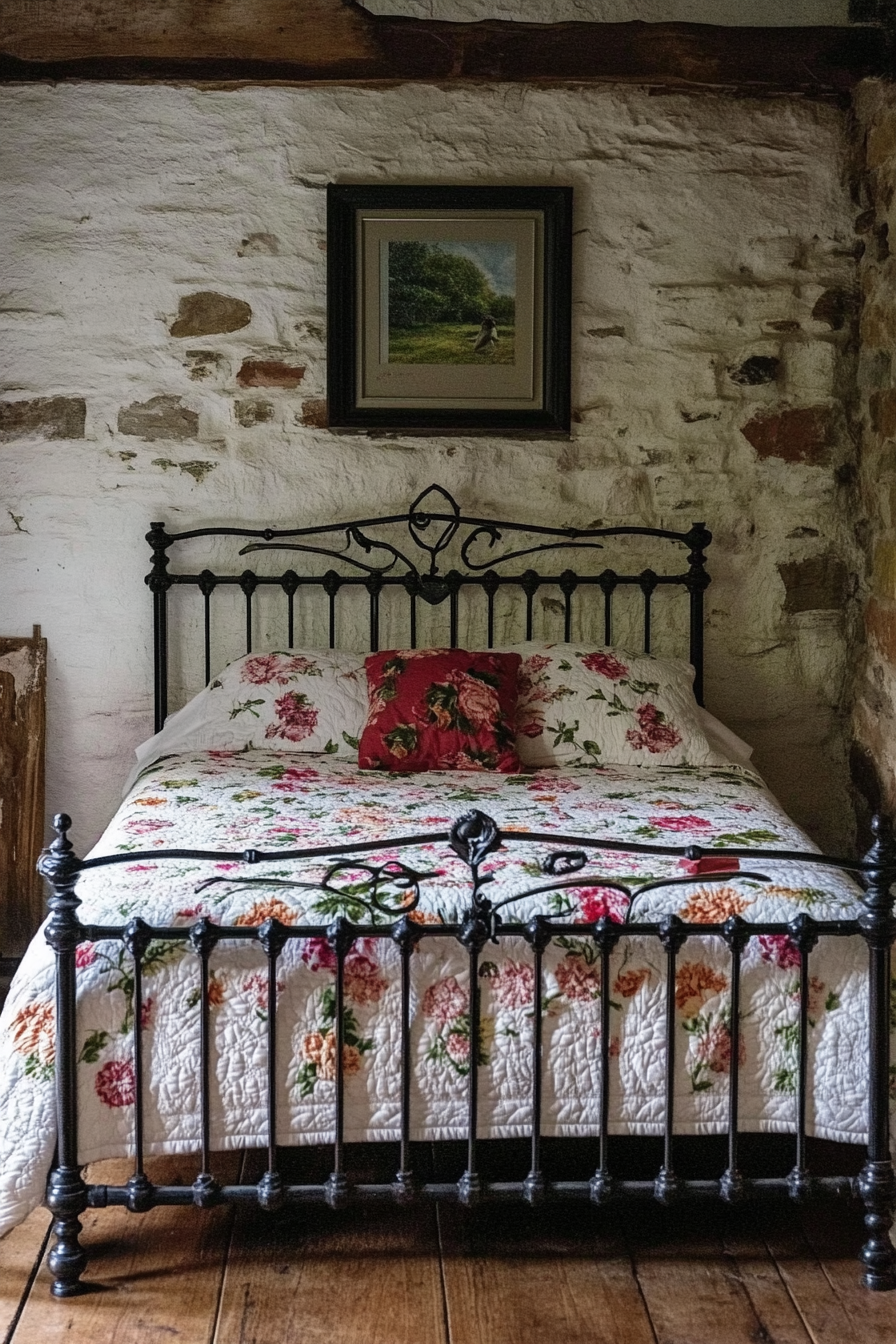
column 159, row 581
column 66, row 1191
column 877, row 1183
column 697, row 582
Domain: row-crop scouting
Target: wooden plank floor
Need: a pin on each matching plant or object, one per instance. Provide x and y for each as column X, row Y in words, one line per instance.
column 564, row 1274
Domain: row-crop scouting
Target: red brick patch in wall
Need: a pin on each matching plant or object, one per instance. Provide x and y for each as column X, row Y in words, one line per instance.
column 269, row 373
column 806, row 434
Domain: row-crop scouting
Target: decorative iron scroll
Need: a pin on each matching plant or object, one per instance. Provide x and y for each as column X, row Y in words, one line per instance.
column 434, row 506
column 381, row 879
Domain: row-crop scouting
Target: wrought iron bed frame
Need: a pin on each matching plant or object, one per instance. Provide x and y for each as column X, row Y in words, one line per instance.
column 394, row 890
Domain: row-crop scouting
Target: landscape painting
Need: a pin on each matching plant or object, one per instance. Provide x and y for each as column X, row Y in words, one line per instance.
column 452, row 302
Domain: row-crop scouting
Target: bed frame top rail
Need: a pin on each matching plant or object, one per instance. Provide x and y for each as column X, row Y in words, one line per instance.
column 407, row 551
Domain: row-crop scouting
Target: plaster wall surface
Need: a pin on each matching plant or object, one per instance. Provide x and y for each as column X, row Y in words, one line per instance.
column 714, row 287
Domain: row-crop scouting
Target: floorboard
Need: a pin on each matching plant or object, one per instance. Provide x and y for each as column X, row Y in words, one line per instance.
column 20, row 1255
column 695, row 1289
column 761, row 1279
column 552, row 1275
column 836, row 1295
column 153, row 1276
column 362, row 1275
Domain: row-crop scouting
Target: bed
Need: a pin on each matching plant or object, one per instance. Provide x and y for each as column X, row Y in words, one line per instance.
column 622, row 933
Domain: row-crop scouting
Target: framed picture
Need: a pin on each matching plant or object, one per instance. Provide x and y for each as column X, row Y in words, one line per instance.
column 449, row 308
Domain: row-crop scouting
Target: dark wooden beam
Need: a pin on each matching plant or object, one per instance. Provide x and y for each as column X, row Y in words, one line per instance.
column 311, row 41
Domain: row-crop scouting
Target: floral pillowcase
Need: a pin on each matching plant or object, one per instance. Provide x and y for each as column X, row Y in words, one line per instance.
column 440, row 709
column 583, row 706
column 294, row 700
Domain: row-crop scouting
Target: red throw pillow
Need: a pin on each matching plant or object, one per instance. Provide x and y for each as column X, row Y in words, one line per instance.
column 440, row 709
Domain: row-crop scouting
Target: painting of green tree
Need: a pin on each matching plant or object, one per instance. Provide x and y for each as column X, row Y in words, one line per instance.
column 452, row 302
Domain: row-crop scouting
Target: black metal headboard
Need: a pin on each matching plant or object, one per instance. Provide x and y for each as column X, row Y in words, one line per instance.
column 370, row 558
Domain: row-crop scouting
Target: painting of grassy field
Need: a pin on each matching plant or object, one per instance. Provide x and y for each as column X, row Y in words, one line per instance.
column 449, row 300
column 448, row 343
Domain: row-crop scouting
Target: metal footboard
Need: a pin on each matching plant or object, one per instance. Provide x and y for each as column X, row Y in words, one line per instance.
column 473, row 837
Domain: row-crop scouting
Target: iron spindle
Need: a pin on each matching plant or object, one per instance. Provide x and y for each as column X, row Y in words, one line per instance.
column 731, row 1186
column 406, row 934
column 538, row 933
column 648, row 597
column 340, row 938
column 248, row 583
column 207, row 630
column 473, row 935
column 203, row 936
column 272, row 936
column 490, row 583
column 672, row 936
column 803, row 934
column 606, row 936
column 452, row 617
column 568, row 582
column 413, row 620
column 374, row 590
column 66, row 1190
column 140, row 1189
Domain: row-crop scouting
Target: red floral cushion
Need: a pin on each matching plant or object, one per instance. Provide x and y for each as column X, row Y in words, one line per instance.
column 440, row 709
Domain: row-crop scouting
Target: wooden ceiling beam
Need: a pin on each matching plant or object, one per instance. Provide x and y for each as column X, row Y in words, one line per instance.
column 337, row 41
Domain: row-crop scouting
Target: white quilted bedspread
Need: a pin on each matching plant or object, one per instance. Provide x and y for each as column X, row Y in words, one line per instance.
column 271, row 800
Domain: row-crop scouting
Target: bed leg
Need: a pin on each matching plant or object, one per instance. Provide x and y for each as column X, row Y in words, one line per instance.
column 66, row 1192
column 877, row 1187
column 877, row 1183
column 66, row 1199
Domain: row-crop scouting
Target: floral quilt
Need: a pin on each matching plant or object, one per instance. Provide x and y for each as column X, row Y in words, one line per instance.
column 266, row 799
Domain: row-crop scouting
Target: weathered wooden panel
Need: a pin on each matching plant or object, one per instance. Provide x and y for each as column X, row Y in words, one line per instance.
column 23, row 678
column 312, row 40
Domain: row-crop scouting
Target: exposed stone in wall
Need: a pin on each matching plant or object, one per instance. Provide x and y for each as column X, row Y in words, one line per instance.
column 708, row 230
column 47, row 417
column 818, row 584
column 159, row 418
column 269, row 373
column 755, row 370
column 875, row 708
column 250, row 413
column 206, row 313
column 315, row 413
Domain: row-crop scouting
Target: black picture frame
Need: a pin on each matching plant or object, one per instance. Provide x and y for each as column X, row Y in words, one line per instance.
column 356, row 308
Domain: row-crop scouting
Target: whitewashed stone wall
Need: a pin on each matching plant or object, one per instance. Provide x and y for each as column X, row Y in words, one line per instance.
column 875, row 699
column 714, row 288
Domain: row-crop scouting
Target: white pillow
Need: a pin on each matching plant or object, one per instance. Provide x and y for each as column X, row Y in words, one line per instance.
column 301, row 700
column 581, row 705
column 721, row 739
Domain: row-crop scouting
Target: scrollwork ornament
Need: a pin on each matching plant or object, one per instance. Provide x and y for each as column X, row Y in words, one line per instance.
column 474, row 836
